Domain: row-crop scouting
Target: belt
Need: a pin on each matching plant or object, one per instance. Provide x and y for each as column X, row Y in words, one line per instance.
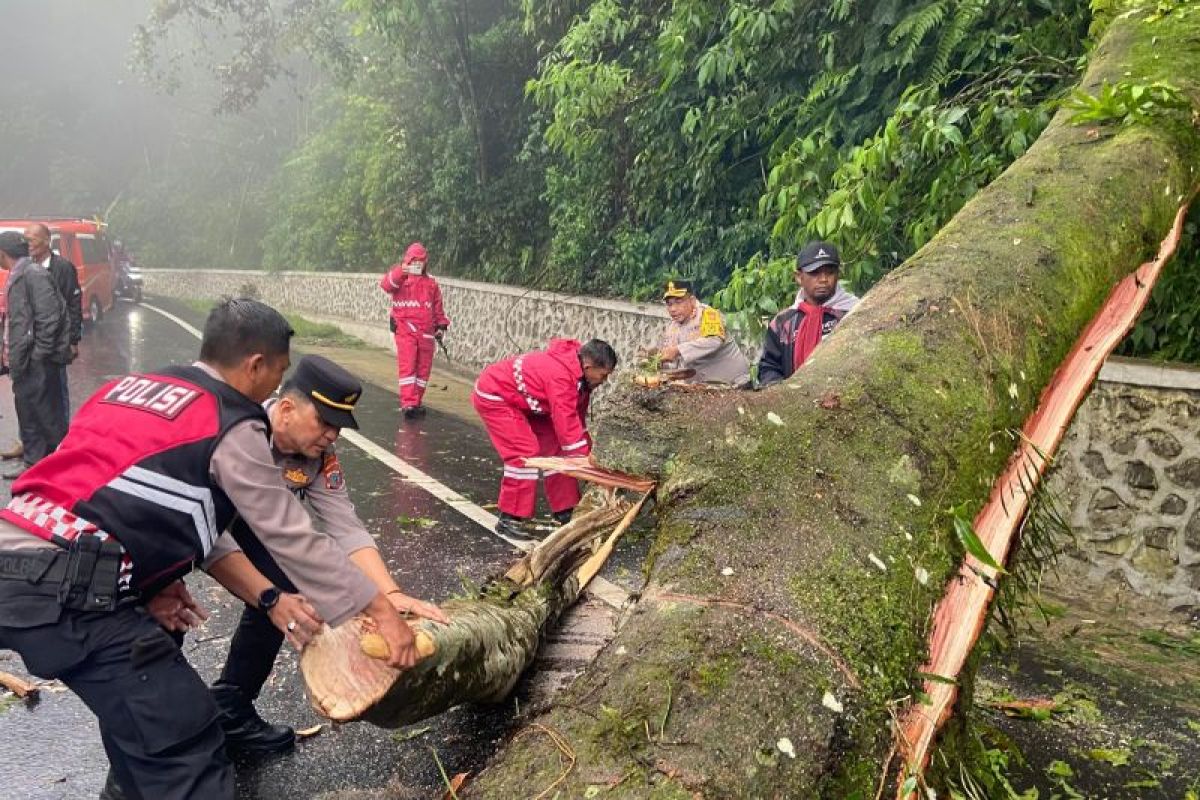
column 82, row 577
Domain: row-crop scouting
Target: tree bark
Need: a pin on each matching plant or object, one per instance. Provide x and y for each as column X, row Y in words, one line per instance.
column 804, row 532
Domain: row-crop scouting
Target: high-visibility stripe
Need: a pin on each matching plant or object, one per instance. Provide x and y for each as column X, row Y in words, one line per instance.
column 201, row 494
column 495, row 398
column 576, row 445
column 408, row 380
column 204, row 533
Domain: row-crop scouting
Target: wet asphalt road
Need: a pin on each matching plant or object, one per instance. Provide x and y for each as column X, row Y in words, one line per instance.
column 51, row 750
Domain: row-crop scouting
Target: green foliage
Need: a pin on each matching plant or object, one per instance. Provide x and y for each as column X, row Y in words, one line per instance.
column 1169, row 328
column 1127, row 103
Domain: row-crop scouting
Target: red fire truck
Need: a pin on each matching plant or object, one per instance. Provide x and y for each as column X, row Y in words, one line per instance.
column 84, row 243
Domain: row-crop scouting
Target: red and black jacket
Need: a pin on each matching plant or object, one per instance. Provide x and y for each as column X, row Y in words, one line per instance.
column 135, row 465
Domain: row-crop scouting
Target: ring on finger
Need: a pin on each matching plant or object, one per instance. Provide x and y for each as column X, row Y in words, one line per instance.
column 291, row 626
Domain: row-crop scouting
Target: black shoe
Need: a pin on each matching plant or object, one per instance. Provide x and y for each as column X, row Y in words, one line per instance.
column 413, row 412
column 515, row 528
column 564, row 516
column 112, row 790
column 246, row 733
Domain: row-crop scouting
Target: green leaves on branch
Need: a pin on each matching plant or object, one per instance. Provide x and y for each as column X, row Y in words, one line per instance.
column 1127, row 103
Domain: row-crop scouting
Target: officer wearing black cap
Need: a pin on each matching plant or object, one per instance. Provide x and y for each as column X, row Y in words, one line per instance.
column 306, row 419
column 696, row 339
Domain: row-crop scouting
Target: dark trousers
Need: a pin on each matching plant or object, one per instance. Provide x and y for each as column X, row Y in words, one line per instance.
column 256, row 642
column 66, row 398
column 157, row 719
column 38, row 396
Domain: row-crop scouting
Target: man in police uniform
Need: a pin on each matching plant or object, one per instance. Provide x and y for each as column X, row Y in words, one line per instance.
column 696, row 338
column 99, row 533
column 314, row 405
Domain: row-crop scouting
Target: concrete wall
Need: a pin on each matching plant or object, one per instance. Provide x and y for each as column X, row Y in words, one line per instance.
column 1128, row 480
column 489, row 321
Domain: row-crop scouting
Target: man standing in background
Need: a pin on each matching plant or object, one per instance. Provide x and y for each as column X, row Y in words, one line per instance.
column 66, row 279
column 36, row 345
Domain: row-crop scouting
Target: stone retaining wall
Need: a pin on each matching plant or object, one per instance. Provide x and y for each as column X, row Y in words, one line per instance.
column 1128, row 480
column 489, row 321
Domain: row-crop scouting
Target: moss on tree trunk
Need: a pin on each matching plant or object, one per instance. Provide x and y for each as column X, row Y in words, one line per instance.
column 826, row 519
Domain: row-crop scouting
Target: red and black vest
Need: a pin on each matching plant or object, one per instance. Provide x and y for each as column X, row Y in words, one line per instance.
column 135, row 466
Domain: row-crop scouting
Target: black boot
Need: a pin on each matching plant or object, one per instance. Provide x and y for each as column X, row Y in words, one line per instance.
column 515, row 528
column 564, row 516
column 112, row 790
column 246, row 733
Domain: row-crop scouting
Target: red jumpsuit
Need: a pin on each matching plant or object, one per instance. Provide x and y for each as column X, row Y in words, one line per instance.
column 534, row 404
column 417, row 316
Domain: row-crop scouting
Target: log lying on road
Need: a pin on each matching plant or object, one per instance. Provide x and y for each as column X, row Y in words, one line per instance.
column 806, row 530
column 478, row 657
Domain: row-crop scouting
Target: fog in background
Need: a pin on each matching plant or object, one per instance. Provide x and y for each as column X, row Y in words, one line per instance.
column 82, row 135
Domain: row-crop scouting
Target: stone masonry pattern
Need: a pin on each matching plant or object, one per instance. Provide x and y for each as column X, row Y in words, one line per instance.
column 1128, row 480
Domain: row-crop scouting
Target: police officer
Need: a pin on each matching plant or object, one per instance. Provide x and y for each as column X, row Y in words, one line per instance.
column 315, row 403
column 696, row 339
column 98, row 534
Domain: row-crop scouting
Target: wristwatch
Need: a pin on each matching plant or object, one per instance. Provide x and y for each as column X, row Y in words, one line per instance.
column 268, row 599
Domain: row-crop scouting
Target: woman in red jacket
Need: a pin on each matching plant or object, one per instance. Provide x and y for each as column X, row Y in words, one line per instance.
column 417, row 321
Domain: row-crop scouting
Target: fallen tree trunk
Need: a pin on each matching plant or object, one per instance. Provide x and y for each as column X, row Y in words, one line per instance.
column 478, row 657
column 805, row 531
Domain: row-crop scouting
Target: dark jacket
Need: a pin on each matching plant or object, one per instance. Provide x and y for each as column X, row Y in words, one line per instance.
column 37, row 319
column 779, row 344
column 66, row 280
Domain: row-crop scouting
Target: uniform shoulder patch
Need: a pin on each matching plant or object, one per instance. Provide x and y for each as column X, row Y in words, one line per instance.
column 711, row 323
column 331, row 468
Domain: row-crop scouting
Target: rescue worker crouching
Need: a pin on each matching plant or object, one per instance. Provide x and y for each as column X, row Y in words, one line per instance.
column 315, row 403
column 535, row 404
column 696, row 339
column 99, row 533
column 417, row 321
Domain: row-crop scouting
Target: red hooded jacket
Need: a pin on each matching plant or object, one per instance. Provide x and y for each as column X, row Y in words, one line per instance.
column 416, row 299
column 545, row 382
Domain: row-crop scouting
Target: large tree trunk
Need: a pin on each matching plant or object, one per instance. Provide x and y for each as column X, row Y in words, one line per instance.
column 784, row 616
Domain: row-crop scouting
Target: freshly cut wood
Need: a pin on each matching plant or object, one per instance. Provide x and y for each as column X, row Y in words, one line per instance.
column 18, row 686
column 960, row 616
column 583, row 469
column 481, row 653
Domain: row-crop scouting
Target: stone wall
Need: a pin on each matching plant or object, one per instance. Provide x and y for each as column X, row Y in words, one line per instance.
column 1128, row 480
column 489, row 321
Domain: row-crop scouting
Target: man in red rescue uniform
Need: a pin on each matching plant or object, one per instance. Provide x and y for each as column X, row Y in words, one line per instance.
column 532, row 405
column 98, row 534
column 417, row 321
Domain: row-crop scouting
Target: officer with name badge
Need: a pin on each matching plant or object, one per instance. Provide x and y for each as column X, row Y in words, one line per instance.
column 696, row 338
column 306, row 419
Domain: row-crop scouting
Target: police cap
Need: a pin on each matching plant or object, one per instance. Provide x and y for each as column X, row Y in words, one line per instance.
column 332, row 389
column 677, row 288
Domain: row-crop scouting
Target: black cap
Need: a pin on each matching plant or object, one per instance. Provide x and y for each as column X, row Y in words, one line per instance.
column 677, row 288
column 816, row 255
column 332, row 389
column 14, row 244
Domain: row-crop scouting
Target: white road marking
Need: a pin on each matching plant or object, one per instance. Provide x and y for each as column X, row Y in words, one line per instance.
column 608, row 592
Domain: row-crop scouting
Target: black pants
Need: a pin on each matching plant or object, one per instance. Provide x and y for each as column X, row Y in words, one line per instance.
column 38, row 396
column 157, row 719
column 256, row 642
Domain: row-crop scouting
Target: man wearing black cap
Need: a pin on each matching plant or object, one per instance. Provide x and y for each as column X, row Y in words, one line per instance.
column 696, row 339
column 314, row 405
column 36, row 346
column 820, row 305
